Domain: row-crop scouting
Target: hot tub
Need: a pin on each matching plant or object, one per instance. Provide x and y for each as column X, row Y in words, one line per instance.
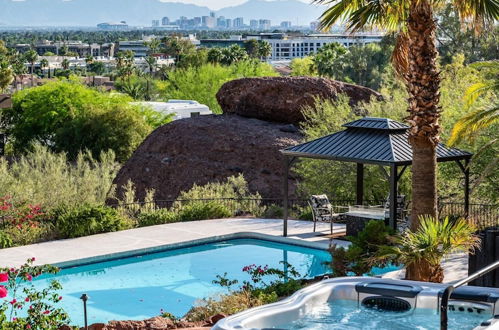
column 371, row 303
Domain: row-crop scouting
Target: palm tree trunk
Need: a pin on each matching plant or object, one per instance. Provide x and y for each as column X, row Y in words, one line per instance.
column 423, row 83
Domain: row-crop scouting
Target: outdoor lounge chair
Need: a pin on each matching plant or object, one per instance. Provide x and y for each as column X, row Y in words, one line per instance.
column 322, row 210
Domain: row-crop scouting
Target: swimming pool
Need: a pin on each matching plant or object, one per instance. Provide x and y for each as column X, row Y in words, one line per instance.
column 138, row 287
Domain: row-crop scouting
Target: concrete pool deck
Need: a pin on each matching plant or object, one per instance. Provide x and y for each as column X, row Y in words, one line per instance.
column 60, row 251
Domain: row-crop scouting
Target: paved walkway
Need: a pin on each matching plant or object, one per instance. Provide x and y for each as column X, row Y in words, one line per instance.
column 148, row 237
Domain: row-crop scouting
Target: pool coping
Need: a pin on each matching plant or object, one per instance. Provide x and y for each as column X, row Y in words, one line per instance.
column 187, row 244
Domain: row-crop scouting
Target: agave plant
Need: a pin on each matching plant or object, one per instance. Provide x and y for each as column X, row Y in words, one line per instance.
column 431, row 242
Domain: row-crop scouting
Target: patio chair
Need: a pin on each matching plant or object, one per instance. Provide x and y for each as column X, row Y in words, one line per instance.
column 401, row 207
column 322, row 210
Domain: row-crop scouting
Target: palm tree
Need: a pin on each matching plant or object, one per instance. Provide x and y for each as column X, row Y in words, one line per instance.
column 415, row 60
column 44, row 63
column 31, row 56
column 264, row 49
column 6, row 75
column 65, row 64
column 431, row 242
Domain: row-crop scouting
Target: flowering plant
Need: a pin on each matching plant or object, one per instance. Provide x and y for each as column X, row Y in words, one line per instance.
column 19, row 215
column 24, row 307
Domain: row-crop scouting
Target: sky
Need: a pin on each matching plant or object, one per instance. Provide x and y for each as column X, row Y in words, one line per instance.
column 216, row 4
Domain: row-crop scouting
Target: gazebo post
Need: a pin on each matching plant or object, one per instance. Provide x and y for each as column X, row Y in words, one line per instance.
column 466, row 187
column 360, row 184
column 285, row 199
column 393, row 196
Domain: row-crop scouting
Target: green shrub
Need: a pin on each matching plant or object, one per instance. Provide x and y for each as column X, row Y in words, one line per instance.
column 89, row 220
column 273, row 212
column 156, row 217
column 67, row 116
column 203, row 210
column 30, row 234
column 359, row 257
column 47, row 178
column 5, row 240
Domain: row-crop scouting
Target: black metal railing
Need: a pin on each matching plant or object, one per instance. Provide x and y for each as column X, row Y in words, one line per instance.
column 444, row 304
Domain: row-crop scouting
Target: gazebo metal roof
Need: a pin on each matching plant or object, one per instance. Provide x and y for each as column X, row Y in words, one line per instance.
column 370, row 141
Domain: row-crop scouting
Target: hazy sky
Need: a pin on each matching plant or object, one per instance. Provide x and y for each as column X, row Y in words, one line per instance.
column 216, row 4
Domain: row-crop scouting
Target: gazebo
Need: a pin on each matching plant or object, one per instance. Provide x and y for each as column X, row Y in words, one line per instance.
column 376, row 141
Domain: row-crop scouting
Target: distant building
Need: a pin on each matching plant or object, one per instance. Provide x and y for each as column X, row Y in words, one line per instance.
column 264, row 24
column 253, row 24
column 286, row 24
column 238, row 22
column 155, row 23
column 228, row 23
column 113, row 26
column 208, row 22
column 165, row 21
column 77, row 47
column 221, row 22
column 314, row 26
column 138, row 47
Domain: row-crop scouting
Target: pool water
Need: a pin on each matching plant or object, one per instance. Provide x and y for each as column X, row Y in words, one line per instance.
column 136, row 288
column 345, row 315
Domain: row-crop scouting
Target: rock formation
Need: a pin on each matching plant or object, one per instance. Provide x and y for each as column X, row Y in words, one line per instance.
column 281, row 99
column 209, row 148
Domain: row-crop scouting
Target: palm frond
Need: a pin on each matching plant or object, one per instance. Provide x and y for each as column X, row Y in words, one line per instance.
column 469, row 125
column 477, row 12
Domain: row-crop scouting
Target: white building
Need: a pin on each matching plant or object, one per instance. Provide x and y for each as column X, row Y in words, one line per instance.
column 180, row 108
column 286, row 49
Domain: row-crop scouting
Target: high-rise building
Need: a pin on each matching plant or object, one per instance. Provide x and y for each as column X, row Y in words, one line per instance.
column 264, row 24
column 286, row 24
column 228, row 23
column 208, row 21
column 155, row 23
column 165, row 21
column 212, row 14
column 254, row 24
column 314, row 26
column 221, row 22
column 238, row 22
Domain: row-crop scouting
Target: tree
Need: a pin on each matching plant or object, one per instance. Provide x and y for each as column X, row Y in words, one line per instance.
column 252, row 47
column 233, row 54
column 97, row 67
column 67, row 116
column 215, row 55
column 6, row 75
column 303, row 67
column 65, row 64
column 31, row 56
column 125, row 64
column 328, row 60
column 44, row 63
column 264, row 49
column 415, row 59
column 177, row 47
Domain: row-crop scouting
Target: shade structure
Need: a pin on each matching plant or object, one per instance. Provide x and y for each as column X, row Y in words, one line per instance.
column 378, row 141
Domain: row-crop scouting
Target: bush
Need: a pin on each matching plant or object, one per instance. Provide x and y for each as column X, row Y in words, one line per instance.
column 273, row 212
column 359, row 257
column 5, row 240
column 47, row 178
column 67, row 116
column 30, row 234
column 203, row 210
column 89, row 220
column 156, row 217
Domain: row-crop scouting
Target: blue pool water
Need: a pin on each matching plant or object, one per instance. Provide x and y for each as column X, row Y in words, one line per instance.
column 139, row 287
column 346, row 315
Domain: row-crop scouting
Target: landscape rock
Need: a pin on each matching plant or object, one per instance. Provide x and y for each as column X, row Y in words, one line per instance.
column 281, row 99
column 209, row 148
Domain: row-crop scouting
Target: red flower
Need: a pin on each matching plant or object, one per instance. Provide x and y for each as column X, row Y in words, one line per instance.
column 13, row 301
column 4, row 277
column 3, row 291
column 28, row 326
column 60, row 297
column 27, row 299
column 29, row 277
column 46, row 312
column 33, row 259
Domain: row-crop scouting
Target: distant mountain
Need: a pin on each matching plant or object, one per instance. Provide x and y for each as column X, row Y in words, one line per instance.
column 141, row 12
column 277, row 11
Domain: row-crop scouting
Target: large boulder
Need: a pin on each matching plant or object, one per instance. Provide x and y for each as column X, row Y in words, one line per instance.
column 209, row 148
column 281, row 99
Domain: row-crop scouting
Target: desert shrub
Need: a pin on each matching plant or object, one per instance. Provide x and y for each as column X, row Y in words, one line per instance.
column 203, row 210
column 30, row 234
column 47, row 178
column 235, row 188
column 273, row 212
column 68, row 116
column 5, row 240
column 358, row 258
column 156, row 217
column 89, row 220
column 304, row 213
